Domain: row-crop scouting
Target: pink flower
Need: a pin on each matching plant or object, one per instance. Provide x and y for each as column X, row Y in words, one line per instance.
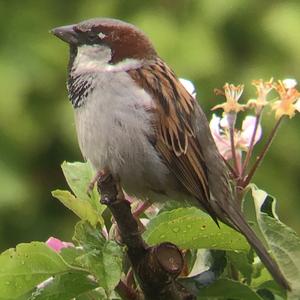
column 56, row 244
column 242, row 138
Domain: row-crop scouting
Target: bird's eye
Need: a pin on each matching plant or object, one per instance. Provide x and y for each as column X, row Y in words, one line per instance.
column 92, row 37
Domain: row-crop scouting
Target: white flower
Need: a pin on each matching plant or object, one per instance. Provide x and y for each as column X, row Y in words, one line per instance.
column 189, row 86
column 289, row 83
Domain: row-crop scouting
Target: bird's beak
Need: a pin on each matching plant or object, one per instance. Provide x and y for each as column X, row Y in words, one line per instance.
column 66, row 33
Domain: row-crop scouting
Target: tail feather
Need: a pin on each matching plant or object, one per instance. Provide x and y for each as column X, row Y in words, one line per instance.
column 239, row 222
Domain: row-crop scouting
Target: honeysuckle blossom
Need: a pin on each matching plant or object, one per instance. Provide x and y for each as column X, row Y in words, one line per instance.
column 220, row 131
column 263, row 88
column 57, row 244
column 289, row 99
column 232, row 94
column 189, row 86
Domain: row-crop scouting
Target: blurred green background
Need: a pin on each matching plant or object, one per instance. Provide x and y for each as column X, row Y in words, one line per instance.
column 208, row 41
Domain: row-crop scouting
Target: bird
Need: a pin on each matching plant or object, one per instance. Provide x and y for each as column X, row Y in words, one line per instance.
column 136, row 120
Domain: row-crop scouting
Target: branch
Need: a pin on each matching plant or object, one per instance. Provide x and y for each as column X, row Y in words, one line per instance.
column 156, row 267
column 263, row 153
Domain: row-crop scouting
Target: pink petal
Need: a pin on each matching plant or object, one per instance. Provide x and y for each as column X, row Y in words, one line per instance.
column 222, row 142
column 247, row 131
column 225, row 152
column 56, row 244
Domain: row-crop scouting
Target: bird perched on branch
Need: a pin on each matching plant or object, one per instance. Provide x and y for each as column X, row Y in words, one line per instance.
column 137, row 121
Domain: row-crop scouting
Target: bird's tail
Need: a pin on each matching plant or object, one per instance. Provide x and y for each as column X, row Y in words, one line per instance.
column 239, row 222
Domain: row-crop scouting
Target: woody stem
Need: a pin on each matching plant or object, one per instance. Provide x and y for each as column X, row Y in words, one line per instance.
column 231, row 117
column 251, row 146
column 263, row 152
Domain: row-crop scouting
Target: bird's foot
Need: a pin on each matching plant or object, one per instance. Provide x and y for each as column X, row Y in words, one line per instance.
column 100, row 173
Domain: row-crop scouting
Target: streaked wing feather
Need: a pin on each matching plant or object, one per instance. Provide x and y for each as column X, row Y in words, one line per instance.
column 175, row 138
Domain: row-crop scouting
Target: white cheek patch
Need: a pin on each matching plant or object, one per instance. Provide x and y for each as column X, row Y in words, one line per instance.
column 90, row 57
column 96, row 58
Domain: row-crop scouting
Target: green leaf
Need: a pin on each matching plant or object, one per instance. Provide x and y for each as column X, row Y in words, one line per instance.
column 102, row 258
column 190, row 228
column 228, row 289
column 272, row 286
column 70, row 255
column 83, row 209
column 97, row 294
column 243, row 262
column 66, row 286
column 260, row 275
column 78, row 176
column 26, row 266
column 88, row 237
column 282, row 240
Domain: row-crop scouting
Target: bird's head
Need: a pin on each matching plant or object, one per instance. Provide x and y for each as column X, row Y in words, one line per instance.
column 108, row 40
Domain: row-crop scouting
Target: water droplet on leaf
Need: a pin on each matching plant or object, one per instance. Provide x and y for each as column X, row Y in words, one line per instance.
column 176, row 229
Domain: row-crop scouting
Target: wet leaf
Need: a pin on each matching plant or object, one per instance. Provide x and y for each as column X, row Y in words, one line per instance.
column 190, row 228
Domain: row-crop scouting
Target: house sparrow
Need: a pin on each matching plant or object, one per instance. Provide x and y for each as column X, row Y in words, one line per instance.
column 135, row 119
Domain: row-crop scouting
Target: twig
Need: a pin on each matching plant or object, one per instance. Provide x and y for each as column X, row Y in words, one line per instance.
column 251, row 146
column 231, row 118
column 156, row 267
column 263, row 153
column 125, row 291
column 141, row 208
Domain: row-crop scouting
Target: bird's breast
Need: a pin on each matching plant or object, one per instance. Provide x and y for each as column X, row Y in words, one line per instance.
column 113, row 127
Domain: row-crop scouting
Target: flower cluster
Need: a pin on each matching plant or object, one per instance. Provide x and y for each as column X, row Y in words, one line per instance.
column 232, row 142
column 242, row 138
column 236, row 145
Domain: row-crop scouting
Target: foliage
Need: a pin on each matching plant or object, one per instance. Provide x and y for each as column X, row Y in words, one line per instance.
column 212, row 42
column 206, row 41
column 93, row 267
column 190, row 228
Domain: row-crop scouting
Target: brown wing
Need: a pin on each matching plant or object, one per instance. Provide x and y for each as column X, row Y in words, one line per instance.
column 175, row 139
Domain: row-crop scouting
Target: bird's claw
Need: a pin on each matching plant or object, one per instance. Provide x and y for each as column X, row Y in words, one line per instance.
column 99, row 174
